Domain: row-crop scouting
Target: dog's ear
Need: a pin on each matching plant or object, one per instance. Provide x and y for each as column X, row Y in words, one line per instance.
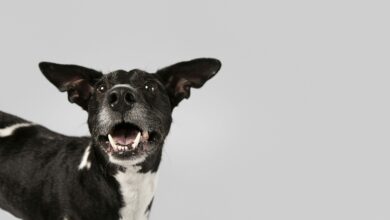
column 179, row 78
column 76, row 80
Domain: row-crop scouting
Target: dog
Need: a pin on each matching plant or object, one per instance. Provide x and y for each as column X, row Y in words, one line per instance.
column 110, row 175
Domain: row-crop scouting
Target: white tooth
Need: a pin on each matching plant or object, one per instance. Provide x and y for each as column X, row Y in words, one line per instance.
column 126, row 148
column 136, row 141
column 112, row 142
column 145, row 136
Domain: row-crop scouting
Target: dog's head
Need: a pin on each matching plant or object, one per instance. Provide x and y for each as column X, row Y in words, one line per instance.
column 129, row 112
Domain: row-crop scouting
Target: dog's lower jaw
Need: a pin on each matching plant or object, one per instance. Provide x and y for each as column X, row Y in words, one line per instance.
column 146, row 162
column 126, row 163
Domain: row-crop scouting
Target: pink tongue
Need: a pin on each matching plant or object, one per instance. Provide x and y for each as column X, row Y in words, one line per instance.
column 124, row 136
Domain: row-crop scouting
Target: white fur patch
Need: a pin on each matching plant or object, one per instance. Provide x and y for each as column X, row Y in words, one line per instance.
column 85, row 163
column 123, row 86
column 137, row 190
column 126, row 163
column 8, row 131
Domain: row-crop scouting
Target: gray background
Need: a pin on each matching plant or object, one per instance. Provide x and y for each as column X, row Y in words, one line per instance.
column 295, row 126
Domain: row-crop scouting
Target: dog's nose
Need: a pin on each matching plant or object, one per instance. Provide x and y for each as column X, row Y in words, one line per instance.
column 121, row 99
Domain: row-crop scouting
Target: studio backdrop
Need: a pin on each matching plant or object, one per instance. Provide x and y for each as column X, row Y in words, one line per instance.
column 295, row 125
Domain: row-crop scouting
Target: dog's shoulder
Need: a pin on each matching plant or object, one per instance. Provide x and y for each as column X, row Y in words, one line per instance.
column 16, row 132
column 12, row 127
column 7, row 120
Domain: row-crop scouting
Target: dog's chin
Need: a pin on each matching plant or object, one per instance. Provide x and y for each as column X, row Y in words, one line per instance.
column 128, row 144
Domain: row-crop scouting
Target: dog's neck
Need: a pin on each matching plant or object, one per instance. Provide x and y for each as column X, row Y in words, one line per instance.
column 137, row 190
column 137, row 183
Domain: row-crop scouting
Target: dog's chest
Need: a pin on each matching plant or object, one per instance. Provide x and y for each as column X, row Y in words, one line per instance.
column 137, row 190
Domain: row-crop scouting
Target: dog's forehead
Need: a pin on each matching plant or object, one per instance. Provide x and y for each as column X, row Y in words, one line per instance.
column 122, row 76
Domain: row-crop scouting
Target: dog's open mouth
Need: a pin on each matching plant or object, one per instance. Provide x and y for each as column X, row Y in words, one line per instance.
column 127, row 139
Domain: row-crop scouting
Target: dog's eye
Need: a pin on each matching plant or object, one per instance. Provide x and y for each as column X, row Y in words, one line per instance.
column 101, row 88
column 150, row 86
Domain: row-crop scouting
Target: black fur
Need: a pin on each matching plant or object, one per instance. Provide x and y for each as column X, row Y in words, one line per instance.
column 39, row 169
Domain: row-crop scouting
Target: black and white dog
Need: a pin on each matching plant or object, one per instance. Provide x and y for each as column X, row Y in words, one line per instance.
column 110, row 175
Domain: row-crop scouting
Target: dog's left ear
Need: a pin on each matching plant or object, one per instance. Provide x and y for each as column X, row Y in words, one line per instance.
column 77, row 81
column 181, row 77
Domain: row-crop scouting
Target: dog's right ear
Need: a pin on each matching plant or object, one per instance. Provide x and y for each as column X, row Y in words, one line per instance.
column 179, row 78
column 77, row 81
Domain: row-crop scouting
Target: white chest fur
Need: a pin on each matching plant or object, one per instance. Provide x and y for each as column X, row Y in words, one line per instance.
column 137, row 190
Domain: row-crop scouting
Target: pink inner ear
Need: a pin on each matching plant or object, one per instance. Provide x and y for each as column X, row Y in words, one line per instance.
column 79, row 92
column 183, row 87
column 83, row 88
